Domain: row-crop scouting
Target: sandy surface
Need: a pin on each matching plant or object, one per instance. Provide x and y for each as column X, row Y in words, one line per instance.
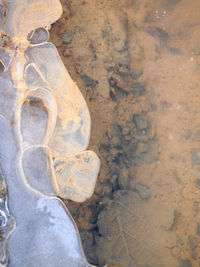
column 137, row 64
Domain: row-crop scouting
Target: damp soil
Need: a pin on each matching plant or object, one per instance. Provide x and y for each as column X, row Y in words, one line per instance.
column 137, row 63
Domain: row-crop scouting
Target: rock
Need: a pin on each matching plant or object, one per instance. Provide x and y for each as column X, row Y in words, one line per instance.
column 119, row 85
column 185, row 263
column 191, row 242
column 143, row 190
column 116, row 141
column 141, row 122
column 67, row 52
column 67, row 38
column 88, row 81
column 87, row 239
column 138, row 89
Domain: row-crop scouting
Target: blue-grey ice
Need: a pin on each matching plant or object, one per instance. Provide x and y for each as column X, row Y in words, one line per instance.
column 44, row 131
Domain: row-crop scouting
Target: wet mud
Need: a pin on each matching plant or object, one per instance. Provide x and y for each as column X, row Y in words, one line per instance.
column 137, row 64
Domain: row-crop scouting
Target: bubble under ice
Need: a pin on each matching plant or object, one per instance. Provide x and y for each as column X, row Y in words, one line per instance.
column 44, row 131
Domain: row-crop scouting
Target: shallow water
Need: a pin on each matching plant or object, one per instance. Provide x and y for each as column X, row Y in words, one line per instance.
column 137, row 64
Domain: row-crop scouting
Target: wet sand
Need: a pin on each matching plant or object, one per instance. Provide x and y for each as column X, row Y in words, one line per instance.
column 138, row 67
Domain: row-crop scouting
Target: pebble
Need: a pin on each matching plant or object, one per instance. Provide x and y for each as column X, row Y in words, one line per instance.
column 118, row 83
column 138, row 89
column 141, row 122
column 67, row 38
column 88, row 81
column 198, row 182
column 116, row 141
column 143, row 190
column 142, row 148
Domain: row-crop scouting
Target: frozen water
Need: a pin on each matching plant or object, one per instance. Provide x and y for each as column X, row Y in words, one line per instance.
column 44, row 130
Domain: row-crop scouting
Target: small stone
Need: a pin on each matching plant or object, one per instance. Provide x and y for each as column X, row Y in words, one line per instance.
column 154, row 107
column 88, row 81
column 116, row 141
column 198, row 182
column 130, row 148
column 124, row 70
column 123, row 61
column 141, row 122
column 138, row 89
column 143, row 190
column 67, row 38
column 67, row 52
